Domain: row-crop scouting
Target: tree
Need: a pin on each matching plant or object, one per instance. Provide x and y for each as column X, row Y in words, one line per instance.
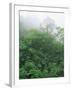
column 40, row 55
column 60, row 34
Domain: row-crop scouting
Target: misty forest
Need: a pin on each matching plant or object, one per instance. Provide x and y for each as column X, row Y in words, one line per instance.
column 41, row 48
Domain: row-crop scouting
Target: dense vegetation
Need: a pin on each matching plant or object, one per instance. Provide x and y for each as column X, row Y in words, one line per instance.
column 40, row 55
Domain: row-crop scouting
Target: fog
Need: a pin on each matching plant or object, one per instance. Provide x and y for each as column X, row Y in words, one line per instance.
column 38, row 20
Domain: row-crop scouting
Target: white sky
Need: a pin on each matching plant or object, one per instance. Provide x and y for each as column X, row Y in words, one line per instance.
column 57, row 17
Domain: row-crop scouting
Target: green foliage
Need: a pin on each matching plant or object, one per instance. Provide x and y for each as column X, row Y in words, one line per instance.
column 60, row 34
column 40, row 55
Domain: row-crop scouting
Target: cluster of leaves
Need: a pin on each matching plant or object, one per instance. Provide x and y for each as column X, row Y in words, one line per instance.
column 60, row 34
column 40, row 56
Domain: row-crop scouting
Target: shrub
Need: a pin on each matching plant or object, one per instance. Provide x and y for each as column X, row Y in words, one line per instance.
column 40, row 56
